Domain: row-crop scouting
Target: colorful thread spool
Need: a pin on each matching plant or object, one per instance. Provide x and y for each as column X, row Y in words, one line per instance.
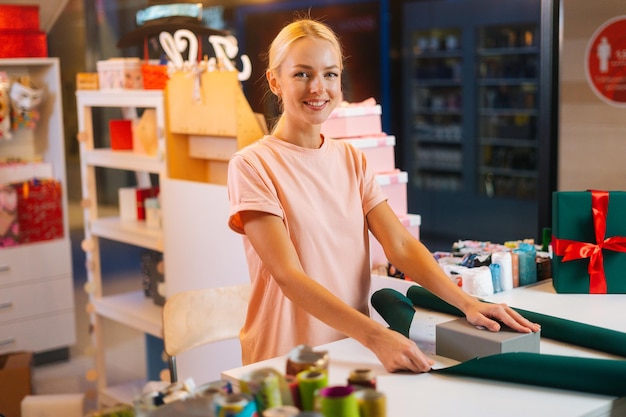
column 338, row 401
column 371, row 403
column 303, row 357
column 308, row 383
column 235, row 405
column 282, row 411
column 362, row 378
column 265, row 386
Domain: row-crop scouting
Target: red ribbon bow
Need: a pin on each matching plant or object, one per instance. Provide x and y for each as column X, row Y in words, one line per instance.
column 571, row 249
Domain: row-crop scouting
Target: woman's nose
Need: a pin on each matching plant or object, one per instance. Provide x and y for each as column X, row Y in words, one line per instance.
column 317, row 84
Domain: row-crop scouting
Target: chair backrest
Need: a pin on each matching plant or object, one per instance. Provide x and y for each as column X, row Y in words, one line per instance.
column 197, row 317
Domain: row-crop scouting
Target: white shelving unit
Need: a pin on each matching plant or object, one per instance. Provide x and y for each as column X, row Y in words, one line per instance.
column 36, row 288
column 132, row 309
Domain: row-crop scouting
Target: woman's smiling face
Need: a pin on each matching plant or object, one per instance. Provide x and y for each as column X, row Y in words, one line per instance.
column 309, row 81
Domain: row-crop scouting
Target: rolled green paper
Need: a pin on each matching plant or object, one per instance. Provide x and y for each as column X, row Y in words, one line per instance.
column 555, row 328
column 595, row 376
column 395, row 308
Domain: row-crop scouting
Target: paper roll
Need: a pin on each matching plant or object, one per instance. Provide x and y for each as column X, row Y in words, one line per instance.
column 506, row 269
column 495, row 277
column 477, row 281
column 527, row 264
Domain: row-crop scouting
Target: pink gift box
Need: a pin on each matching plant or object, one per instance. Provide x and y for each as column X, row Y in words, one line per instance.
column 378, row 150
column 393, row 183
column 377, row 256
column 353, row 121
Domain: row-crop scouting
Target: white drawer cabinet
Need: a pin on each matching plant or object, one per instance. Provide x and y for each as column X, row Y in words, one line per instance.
column 20, row 264
column 38, row 334
column 36, row 285
column 36, row 299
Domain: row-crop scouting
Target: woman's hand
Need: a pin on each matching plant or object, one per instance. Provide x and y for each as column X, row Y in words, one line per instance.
column 491, row 316
column 399, row 353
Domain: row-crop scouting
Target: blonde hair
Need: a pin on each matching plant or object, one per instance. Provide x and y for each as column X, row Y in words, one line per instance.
column 299, row 29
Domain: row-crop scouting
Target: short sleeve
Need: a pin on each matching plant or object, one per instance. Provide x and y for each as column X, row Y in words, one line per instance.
column 372, row 192
column 249, row 190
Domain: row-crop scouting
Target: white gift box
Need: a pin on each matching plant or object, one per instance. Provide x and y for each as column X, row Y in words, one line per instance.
column 120, row 74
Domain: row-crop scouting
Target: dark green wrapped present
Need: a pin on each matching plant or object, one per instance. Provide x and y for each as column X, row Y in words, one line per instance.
column 589, row 242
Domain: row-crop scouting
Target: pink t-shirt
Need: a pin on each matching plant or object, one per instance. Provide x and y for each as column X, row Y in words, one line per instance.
column 322, row 195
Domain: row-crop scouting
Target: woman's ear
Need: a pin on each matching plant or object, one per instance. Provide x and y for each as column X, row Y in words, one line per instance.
column 273, row 83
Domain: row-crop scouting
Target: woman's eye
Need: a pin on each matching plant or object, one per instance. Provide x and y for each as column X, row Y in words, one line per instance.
column 332, row 75
column 301, row 75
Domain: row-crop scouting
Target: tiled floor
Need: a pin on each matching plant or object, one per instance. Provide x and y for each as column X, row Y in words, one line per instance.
column 125, row 346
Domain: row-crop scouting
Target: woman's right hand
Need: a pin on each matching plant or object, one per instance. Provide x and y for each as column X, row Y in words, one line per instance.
column 399, row 353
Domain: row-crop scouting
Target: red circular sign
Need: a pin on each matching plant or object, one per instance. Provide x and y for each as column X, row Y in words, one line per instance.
column 605, row 61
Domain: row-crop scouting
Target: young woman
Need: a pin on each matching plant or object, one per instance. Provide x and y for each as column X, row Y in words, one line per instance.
column 304, row 204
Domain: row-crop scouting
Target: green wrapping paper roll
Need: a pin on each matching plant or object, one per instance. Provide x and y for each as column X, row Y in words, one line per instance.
column 595, row 376
column 563, row 330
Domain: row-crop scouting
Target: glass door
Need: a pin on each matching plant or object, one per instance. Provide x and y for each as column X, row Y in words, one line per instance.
column 471, row 135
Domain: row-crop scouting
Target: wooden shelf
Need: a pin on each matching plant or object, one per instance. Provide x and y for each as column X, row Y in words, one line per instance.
column 119, row 98
column 128, row 231
column 125, row 160
column 133, row 309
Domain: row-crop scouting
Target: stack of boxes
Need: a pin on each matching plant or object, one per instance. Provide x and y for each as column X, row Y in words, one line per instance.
column 360, row 125
column 20, row 36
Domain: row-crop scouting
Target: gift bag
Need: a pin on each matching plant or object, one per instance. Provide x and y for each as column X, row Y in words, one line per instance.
column 39, row 210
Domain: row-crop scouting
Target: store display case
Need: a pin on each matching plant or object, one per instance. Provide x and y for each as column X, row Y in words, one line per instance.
column 471, row 117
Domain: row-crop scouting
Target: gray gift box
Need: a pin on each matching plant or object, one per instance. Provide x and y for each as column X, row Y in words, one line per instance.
column 459, row 340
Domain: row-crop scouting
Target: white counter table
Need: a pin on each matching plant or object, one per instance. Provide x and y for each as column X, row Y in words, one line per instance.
column 433, row 395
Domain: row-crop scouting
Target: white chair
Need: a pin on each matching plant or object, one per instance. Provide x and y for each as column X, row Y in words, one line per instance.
column 197, row 317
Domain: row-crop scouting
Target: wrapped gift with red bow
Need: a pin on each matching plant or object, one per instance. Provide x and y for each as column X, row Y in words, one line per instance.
column 589, row 242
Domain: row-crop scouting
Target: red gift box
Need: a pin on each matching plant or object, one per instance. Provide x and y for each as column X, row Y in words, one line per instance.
column 121, row 133
column 23, row 44
column 39, row 210
column 18, row 17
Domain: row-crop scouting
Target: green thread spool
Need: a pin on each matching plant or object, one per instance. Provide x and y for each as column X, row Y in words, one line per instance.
column 338, row 401
column 308, row 383
column 265, row 386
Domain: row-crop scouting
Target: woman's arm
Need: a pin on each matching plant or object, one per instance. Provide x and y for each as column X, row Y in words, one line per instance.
column 268, row 236
column 410, row 256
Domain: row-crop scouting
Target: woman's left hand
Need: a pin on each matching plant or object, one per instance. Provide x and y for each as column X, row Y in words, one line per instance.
column 492, row 316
